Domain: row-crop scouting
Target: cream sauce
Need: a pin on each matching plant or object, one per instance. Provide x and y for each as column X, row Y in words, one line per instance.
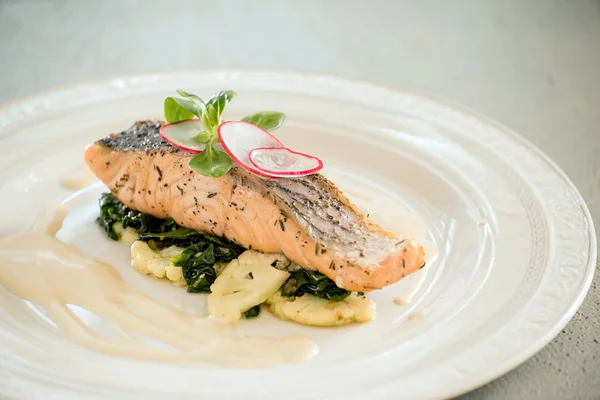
column 39, row 268
column 78, row 180
column 52, row 219
column 415, row 316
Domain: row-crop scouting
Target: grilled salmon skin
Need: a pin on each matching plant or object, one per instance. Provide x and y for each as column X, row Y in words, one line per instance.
column 306, row 218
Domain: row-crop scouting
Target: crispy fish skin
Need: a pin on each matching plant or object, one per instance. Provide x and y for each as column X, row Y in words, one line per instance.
column 306, row 218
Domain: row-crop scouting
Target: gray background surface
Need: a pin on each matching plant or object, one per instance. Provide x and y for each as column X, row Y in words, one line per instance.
column 533, row 65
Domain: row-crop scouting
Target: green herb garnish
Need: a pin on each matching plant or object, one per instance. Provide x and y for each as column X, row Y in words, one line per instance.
column 267, row 120
column 212, row 161
column 303, row 281
column 176, row 113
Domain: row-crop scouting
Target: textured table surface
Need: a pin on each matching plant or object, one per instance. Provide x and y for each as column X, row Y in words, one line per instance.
column 532, row 65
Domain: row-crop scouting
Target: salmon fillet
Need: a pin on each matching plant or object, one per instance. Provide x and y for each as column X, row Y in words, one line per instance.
column 306, row 218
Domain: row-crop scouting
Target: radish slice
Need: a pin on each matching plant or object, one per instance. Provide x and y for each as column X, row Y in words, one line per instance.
column 238, row 138
column 284, row 162
column 181, row 135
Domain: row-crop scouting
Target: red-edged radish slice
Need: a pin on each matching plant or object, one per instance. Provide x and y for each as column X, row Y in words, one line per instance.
column 238, row 138
column 282, row 162
column 181, row 135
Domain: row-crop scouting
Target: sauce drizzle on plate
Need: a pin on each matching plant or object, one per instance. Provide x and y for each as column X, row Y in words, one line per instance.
column 37, row 267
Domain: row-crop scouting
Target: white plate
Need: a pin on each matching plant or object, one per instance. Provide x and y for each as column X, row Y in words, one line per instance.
column 517, row 245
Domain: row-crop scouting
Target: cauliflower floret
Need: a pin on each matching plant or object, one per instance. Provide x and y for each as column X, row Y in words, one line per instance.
column 312, row 310
column 126, row 236
column 175, row 275
column 220, row 267
column 247, row 281
column 157, row 263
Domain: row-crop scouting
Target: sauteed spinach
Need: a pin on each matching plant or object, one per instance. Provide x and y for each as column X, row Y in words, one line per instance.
column 202, row 252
